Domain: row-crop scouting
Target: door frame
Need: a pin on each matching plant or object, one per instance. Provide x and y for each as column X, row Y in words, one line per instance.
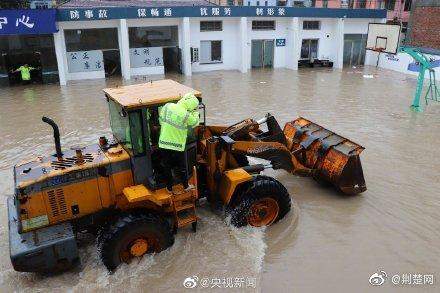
column 310, row 43
column 358, row 61
column 263, row 47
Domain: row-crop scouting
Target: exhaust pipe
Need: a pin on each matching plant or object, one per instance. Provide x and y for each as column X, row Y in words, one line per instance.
column 56, row 136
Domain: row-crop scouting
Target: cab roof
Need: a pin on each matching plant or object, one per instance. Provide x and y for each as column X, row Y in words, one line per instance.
column 150, row 93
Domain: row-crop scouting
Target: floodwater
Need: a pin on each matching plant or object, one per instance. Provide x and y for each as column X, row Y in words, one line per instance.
column 329, row 242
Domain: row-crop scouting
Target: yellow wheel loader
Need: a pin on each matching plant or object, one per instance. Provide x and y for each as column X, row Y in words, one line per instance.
column 116, row 188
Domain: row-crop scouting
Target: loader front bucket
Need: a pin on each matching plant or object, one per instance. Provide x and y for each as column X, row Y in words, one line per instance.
column 333, row 158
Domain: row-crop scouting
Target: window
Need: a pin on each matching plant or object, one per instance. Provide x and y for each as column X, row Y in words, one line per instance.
column 91, row 39
column 325, row 4
column 265, row 25
column 230, row 2
column 210, row 52
column 119, row 124
column 309, row 49
column 265, row 3
column 208, row 26
column 311, row 25
column 404, row 27
column 120, row 120
column 137, row 141
column 389, row 4
column 155, row 36
column 407, row 6
column 249, row 3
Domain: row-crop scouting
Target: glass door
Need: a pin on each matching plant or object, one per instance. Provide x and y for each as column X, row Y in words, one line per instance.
column 348, row 52
column 268, row 48
column 354, row 49
column 309, row 49
column 257, row 54
column 262, row 53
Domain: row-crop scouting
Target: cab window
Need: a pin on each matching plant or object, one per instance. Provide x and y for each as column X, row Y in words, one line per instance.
column 127, row 128
column 119, row 124
column 137, row 138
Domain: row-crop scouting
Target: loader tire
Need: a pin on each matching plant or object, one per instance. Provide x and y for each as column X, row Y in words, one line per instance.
column 262, row 202
column 242, row 160
column 132, row 236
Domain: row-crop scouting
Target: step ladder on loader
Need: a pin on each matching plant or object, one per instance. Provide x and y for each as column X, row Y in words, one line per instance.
column 184, row 207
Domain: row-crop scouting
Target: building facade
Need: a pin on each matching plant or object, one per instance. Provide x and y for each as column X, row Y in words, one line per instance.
column 424, row 29
column 96, row 42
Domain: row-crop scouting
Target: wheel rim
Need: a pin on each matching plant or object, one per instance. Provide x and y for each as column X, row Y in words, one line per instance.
column 263, row 212
column 137, row 247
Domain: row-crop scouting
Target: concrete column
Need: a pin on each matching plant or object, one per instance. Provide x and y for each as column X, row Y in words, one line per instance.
column 243, row 45
column 339, row 43
column 124, row 48
column 186, row 47
column 293, row 44
column 60, row 53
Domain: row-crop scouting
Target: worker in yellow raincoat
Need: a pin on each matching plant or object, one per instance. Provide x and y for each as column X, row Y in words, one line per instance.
column 25, row 71
column 176, row 120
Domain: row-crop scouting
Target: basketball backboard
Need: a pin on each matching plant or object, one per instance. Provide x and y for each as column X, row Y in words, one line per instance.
column 383, row 37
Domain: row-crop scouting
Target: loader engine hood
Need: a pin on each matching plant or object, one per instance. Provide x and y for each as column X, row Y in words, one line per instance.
column 50, row 189
column 43, row 172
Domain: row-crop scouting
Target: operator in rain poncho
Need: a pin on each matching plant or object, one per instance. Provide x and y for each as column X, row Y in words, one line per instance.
column 176, row 121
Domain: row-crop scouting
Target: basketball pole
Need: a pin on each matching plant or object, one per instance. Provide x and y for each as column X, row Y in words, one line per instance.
column 424, row 64
column 378, row 58
column 420, row 80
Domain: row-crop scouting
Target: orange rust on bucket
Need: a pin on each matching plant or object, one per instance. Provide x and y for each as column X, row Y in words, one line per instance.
column 334, row 158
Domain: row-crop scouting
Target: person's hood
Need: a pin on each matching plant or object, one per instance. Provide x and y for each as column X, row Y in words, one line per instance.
column 189, row 102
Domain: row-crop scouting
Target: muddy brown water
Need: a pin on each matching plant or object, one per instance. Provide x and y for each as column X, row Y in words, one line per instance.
column 328, row 243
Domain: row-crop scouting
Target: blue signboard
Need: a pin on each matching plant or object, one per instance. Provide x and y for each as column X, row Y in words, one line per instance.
column 27, row 21
column 103, row 13
column 280, row 42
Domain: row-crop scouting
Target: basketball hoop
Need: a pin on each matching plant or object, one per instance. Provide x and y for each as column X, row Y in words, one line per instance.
column 383, row 38
column 379, row 50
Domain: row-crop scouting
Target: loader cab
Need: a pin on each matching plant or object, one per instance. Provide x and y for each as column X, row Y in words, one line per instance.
column 134, row 120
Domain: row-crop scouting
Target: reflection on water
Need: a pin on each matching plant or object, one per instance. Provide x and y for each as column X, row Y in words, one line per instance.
column 336, row 243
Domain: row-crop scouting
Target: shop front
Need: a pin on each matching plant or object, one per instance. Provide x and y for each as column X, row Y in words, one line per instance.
column 26, row 39
column 154, row 49
column 94, row 50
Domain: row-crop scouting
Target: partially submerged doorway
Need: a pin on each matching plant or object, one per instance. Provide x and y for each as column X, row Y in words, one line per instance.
column 262, row 53
column 309, row 49
column 160, row 45
column 172, row 59
column 37, row 51
column 93, row 50
column 354, row 49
